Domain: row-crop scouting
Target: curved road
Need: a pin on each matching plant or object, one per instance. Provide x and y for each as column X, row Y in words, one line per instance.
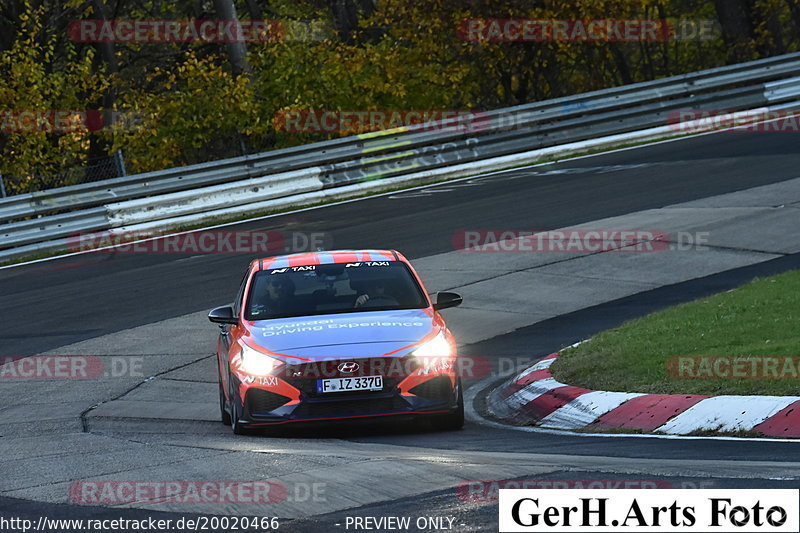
column 73, row 301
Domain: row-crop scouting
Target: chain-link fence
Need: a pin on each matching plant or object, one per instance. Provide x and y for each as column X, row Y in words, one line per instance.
column 103, row 168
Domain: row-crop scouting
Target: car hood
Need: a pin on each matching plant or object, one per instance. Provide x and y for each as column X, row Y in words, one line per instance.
column 346, row 335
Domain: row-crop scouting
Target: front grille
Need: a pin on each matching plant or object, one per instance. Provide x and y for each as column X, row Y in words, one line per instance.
column 393, row 369
column 353, row 407
column 262, row 402
column 438, row 388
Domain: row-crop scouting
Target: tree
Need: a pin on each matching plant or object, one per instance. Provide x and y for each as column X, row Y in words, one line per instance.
column 42, row 73
column 237, row 50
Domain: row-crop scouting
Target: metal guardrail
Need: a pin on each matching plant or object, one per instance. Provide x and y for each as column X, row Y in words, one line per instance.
column 329, row 152
column 56, row 213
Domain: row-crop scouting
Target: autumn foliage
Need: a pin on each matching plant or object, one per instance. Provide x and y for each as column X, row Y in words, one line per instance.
column 198, row 101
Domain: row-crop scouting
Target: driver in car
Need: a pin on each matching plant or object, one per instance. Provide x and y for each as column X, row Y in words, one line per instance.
column 375, row 291
column 278, row 298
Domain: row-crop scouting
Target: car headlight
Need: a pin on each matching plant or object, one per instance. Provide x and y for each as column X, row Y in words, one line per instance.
column 258, row 364
column 436, row 347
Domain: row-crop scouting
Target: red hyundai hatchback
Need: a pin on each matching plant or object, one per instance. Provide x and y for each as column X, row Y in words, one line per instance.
column 336, row 335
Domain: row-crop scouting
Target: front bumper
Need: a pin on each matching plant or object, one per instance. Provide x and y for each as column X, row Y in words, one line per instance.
column 293, row 397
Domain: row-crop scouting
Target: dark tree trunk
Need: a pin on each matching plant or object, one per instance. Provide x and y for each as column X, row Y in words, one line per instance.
column 106, row 49
column 254, row 10
column 794, row 7
column 9, row 18
column 99, row 147
column 775, row 44
column 345, row 20
column 237, row 51
column 737, row 28
column 622, row 64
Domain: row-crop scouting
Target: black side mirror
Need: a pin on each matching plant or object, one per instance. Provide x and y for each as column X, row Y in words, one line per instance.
column 223, row 315
column 445, row 300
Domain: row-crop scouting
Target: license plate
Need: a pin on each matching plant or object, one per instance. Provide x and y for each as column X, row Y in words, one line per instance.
column 366, row 383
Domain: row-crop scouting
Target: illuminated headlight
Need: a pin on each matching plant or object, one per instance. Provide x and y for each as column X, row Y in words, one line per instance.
column 256, row 363
column 436, row 347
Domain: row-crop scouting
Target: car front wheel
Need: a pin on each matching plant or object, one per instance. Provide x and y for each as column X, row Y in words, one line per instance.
column 455, row 420
column 236, row 413
column 224, row 415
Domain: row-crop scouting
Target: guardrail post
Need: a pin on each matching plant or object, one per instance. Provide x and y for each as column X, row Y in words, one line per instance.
column 119, row 162
column 2, row 187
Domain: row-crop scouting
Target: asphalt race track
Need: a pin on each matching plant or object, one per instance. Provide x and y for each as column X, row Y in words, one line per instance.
column 54, row 304
column 92, row 297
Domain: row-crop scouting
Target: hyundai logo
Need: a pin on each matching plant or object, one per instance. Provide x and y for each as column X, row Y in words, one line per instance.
column 349, row 367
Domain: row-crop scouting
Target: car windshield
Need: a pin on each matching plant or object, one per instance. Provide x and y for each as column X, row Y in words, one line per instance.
column 334, row 288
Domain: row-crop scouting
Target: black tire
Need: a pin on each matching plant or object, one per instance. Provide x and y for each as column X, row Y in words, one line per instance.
column 224, row 415
column 236, row 413
column 455, row 420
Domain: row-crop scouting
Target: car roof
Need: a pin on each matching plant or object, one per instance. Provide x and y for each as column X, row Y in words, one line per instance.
column 328, row 257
